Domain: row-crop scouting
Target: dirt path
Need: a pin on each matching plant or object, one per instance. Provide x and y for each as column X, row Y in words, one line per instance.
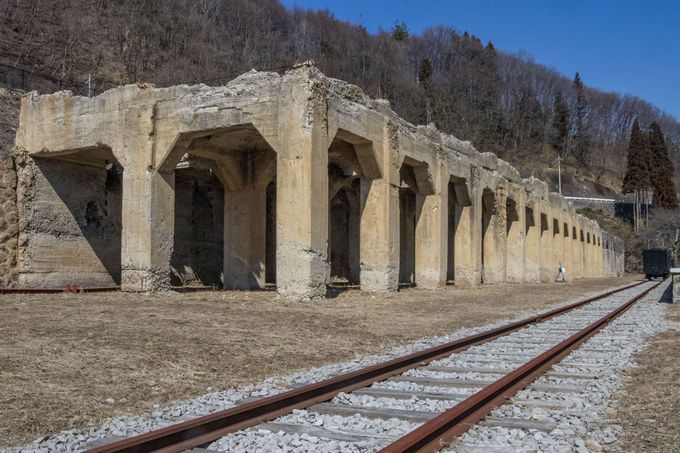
column 62, row 356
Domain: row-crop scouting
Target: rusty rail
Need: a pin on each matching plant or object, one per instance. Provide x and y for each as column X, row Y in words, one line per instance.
column 205, row 429
column 436, row 433
column 68, row 289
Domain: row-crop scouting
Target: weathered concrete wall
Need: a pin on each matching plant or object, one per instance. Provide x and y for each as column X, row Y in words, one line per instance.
column 469, row 217
column 70, row 223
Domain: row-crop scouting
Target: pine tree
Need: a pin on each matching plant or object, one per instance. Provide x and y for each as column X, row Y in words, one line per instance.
column 662, row 169
column 636, row 177
column 560, row 125
column 581, row 138
column 399, row 31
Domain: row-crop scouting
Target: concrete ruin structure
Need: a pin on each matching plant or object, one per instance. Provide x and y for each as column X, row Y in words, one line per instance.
column 292, row 179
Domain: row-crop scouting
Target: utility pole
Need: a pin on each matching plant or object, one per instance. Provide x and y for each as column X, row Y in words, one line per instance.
column 559, row 174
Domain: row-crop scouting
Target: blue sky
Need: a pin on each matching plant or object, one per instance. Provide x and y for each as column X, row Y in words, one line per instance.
column 625, row 46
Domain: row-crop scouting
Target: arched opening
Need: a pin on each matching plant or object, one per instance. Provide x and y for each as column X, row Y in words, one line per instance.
column 350, row 160
column 270, row 235
column 78, row 240
column 453, row 221
column 197, row 252
column 229, row 234
column 407, row 225
column 344, row 236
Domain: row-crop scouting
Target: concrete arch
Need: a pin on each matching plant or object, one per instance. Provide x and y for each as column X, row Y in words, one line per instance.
column 81, row 191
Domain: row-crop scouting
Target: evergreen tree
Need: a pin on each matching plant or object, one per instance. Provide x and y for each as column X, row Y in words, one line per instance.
column 636, row 177
column 581, row 138
column 399, row 31
column 661, row 170
column 560, row 125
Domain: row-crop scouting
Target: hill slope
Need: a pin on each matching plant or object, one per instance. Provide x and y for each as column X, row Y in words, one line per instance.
column 503, row 103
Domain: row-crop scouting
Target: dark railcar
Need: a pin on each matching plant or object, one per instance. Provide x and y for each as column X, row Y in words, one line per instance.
column 656, row 263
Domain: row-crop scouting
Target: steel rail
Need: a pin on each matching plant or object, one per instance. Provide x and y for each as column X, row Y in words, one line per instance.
column 205, row 429
column 441, row 430
column 58, row 290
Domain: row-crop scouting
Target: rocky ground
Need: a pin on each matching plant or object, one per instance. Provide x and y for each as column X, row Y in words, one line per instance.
column 76, row 360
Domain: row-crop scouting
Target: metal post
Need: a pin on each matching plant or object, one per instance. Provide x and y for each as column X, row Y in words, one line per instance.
column 559, row 174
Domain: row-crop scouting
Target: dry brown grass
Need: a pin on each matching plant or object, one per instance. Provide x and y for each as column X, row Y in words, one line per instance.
column 63, row 355
column 650, row 401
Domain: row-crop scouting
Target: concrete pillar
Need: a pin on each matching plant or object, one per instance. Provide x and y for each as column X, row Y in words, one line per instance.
column 557, row 240
column 302, row 267
column 462, row 246
column 148, row 217
column 545, row 226
column 245, row 229
column 600, row 255
column 515, row 227
column 379, row 244
column 567, row 248
column 532, row 245
column 493, row 236
column 431, row 234
column 587, row 254
column 577, row 260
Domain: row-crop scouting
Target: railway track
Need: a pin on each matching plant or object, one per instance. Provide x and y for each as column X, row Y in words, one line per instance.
column 418, row 402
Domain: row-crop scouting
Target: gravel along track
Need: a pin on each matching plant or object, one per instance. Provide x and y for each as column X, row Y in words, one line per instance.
column 553, row 414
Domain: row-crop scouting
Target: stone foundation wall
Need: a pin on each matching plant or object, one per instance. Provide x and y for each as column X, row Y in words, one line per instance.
column 9, row 222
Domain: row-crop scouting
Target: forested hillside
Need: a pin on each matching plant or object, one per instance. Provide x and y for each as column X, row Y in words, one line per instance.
column 504, row 103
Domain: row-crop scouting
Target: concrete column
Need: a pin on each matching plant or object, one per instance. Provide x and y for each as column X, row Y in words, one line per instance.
column 515, row 243
column 567, row 248
column 587, row 265
column 431, row 235
column 600, row 256
column 577, row 260
column 245, row 230
column 379, row 244
column 494, row 239
column 545, row 227
column 557, row 247
column 464, row 247
column 148, row 220
column 532, row 246
column 302, row 267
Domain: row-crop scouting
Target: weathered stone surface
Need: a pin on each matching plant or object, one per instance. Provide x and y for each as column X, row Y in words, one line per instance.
column 293, row 154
